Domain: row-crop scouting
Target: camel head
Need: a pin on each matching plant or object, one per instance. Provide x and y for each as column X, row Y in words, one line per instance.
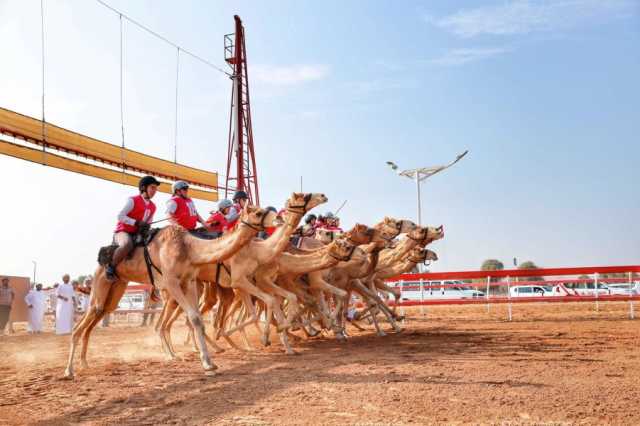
column 325, row 236
column 341, row 249
column 407, row 226
column 257, row 218
column 433, row 234
column 418, row 234
column 430, row 255
column 421, row 255
column 389, row 228
column 360, row 234
column 301, row 202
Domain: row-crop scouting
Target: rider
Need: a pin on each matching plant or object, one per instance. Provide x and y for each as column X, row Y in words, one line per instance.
column 181, row 209
column 331, row 223
column 309, row 227
column 135, row 216
column 217, row 222
column 268, row 230
column 240, row 199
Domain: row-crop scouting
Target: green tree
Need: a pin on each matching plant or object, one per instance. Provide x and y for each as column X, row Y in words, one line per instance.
column 493, row 265
column 529, row 265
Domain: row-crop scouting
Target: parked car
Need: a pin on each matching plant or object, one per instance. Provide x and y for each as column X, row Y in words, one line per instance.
column 589, row 289
column 532, row 291
column 626, row 289
column 450, row 289
column 131, row 301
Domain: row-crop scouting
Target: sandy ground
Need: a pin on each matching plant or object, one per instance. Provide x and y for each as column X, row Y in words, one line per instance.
column 554, row 364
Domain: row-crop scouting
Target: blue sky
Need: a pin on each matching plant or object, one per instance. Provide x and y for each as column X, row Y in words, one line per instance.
column 544, row 94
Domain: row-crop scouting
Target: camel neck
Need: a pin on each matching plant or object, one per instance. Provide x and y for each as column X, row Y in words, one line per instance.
column 304, row 263
column 394, row 255
column 212, row 251
column 279, row 240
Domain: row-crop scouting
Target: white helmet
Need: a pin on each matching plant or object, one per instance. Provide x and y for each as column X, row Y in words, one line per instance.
column 223, row 204
column 178, row 185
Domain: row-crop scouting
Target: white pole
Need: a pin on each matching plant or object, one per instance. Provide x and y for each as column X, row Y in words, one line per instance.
column 631, row 312
column 509, row 296
column 402, row 313
column 488, row 281
column 596, row 289
column 421, row 296
column 418, row 194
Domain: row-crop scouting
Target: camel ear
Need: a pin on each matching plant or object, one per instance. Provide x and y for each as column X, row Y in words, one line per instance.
column 387, row 219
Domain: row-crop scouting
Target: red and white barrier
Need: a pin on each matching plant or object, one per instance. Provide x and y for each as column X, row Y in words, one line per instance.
column 564, row 293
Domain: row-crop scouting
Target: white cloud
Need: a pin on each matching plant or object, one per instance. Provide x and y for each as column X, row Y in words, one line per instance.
column 523, row 16
column 463, row 56
column 289, row 75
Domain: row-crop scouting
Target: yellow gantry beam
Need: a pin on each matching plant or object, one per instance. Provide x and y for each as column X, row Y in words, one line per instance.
column 64, row 163
column 58, row 139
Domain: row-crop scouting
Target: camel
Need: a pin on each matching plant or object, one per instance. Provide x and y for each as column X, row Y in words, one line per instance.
column 415, row 256
column 244, row 264
column 291, row 262
column 420, row 237
column 178, row 255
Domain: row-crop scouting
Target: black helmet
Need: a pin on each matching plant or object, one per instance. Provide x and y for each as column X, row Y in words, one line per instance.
column 239, row 195
column 271, row 208
column 309, row 218
column 146, row 181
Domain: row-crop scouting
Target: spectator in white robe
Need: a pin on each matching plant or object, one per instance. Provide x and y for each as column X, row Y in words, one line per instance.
column 84, row 293
column 36, row 301
column 65, row 306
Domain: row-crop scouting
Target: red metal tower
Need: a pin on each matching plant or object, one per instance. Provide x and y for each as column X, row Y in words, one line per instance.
column 241, row 170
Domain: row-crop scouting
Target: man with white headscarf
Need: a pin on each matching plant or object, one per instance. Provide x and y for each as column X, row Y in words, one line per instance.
column 65, row 306
column 36, row 301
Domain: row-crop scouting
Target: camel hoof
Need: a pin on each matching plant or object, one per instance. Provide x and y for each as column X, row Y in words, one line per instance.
column 210, row 373
column 292, row 352
column 68, row 375
column 382, row 333
column 218, row 350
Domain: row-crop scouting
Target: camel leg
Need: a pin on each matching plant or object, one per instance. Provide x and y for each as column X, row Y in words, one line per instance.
column 164, row 332
column 379, row 302
column 99, row 296
column 242, row 283
column 188, row 301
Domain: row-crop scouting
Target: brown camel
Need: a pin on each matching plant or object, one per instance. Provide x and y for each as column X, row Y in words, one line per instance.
column 415, row 256
column 306, row 261
column 244, row 263
column 178, row 255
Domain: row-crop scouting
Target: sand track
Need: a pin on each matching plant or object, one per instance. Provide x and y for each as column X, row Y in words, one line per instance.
column 457, row 365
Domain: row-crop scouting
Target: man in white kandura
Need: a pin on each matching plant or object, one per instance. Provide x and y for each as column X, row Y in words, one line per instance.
column 36, row 301
column 65, row 306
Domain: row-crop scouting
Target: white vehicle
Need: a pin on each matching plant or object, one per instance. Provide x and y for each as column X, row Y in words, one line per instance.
column 131, row 301
column 533, row 291
column 589, row 289
column 625, row 289
column 410, row 290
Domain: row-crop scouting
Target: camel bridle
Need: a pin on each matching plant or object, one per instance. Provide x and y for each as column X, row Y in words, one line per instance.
column 258, row 228
column 343, row 258
column 302, row 208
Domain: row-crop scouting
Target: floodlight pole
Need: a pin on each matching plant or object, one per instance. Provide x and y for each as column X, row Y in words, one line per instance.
column 421, row 174
column 418, row 198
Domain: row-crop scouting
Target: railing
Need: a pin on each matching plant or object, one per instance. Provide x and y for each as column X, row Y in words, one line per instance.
column 488, row 281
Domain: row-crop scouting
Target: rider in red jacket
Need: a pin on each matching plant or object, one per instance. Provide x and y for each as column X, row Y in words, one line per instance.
column 181, row 209
column 136, row 215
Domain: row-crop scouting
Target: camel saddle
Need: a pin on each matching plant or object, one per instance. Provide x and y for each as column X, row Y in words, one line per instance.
column 141, row 239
